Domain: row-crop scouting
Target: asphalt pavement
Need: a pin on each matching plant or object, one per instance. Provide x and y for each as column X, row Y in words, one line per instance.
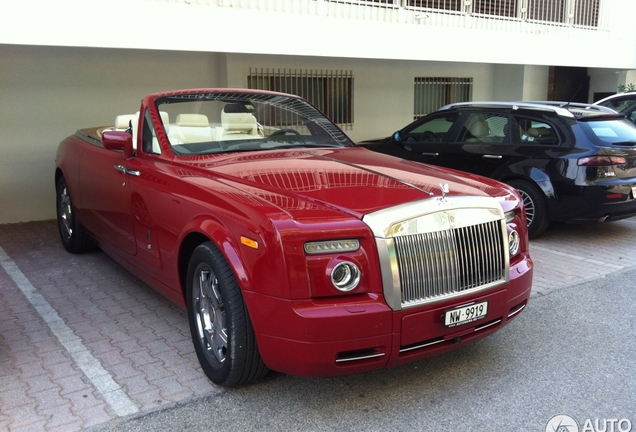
column 571, row 353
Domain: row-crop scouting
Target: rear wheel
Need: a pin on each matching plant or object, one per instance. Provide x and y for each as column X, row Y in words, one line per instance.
column 71, row 231
column 534, row 203
column 219, row 323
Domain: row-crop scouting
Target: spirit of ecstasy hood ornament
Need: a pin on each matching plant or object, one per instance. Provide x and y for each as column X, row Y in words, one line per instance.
column 444, row 188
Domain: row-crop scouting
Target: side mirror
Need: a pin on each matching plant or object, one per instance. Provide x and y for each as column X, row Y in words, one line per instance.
column 118, row 140
column 397, row 137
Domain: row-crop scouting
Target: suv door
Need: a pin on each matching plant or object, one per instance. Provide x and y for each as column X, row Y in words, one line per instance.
column 494, row 144
column 426, row 140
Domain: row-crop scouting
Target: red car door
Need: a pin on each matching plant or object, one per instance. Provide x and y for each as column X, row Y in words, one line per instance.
column 105, row 192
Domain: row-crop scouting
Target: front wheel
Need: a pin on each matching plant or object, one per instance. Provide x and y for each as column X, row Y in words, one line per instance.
column 219, row 323
column 535, row 206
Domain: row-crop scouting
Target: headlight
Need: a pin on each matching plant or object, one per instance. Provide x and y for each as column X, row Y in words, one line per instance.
column 345, row 276
column 513, row 242
column 332, row 246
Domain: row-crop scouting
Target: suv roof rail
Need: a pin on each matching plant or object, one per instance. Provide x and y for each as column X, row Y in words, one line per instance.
column 565, row 109
column 512, row 105
column 578, row 106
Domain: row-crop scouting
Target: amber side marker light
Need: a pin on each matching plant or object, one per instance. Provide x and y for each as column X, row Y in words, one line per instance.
column 249, row 242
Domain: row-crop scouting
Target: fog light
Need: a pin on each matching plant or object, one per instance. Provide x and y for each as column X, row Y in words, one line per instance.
column 513, row 242
column 345, row 276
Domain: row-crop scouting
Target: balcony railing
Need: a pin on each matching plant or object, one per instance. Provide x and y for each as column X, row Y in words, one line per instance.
column 526, row 16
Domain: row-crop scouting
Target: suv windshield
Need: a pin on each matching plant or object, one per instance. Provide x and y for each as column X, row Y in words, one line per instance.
column 206, row 123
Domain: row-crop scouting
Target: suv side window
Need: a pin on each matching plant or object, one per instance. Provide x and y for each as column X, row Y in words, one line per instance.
column 485, row 127
column 533, row 131
column 433, row 130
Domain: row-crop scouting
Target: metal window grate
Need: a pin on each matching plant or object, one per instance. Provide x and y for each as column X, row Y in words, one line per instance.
column 579, row 13
column 434, row 92
column 330, row 91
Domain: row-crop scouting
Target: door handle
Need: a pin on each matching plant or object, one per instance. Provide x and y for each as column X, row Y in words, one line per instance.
column 492, row 156
column 430, row 154
column 127, row 171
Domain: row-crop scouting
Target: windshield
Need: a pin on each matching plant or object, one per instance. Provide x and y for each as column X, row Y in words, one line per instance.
column 208, row 123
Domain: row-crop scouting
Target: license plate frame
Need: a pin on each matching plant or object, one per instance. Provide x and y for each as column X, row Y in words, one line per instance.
column 465, row 314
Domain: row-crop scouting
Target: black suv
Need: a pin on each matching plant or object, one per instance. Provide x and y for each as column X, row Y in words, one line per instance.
column 569, row 162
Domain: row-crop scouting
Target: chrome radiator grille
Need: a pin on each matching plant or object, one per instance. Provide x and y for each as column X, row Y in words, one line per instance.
column 444, row 263
column 439, row 248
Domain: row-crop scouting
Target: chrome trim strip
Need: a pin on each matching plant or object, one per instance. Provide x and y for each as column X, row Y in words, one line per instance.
column 511, row 314
column 360, row 358
column 434, row 215
column 485, row 326
column 424, row 345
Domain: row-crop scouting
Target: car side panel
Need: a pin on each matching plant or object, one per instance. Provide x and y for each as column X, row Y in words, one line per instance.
column 105, row 197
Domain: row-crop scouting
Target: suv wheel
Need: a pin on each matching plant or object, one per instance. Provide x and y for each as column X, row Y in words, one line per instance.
column 534, row 203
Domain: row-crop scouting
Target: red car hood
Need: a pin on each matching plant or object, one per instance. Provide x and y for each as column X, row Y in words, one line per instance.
column 356, row 181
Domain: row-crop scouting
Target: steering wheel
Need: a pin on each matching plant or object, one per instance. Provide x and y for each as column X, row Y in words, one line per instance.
column 428, row 136
column 282, row 132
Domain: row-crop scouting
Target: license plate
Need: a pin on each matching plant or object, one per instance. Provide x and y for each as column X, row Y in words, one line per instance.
column 633, row 191
column 465, row 314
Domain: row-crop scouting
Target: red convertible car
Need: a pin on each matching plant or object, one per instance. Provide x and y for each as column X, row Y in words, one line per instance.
column 292, row 248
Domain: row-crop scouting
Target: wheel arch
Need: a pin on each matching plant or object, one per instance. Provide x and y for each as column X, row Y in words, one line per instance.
column 535, row 176
column 58, row 174
column 203, row 230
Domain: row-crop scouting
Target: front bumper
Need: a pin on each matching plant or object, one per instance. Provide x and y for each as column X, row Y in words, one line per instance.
column 307, row 338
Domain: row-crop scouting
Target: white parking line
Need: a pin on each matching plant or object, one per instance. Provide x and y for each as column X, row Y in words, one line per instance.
column 576, row 257
column 112, row 393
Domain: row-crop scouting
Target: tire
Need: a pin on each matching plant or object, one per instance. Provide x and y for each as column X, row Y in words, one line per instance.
column 221, row 328
column 534, row 203
column 71, row 231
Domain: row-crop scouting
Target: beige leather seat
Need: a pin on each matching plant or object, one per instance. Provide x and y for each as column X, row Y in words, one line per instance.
column 124, row 121
column 237, row 122
column 478, row 130
column 192, row 128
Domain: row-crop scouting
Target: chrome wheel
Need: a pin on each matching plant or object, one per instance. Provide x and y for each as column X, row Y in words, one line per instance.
column 220, row 326
column 528, row 204
column 534, row 202
column 71, row 231
column 210, row 314
column 65, row 213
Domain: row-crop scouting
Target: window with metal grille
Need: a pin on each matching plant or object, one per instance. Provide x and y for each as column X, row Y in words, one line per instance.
column 434, row 92
column 502, row 8
column 448, row 5
column 330, row 91
column 584, row 13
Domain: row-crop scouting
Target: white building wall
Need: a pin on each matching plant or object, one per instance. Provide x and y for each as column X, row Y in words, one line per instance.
column 79, row 63
column 50, row 92
column 383, row 89
column 298, row 27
